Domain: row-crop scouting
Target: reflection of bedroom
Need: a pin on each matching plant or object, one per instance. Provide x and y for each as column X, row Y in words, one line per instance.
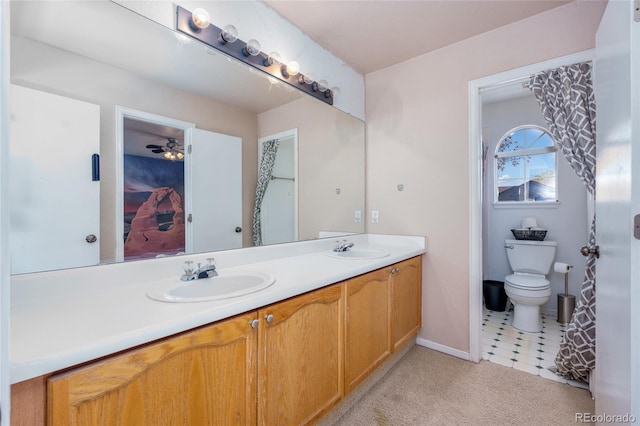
column 154, row 222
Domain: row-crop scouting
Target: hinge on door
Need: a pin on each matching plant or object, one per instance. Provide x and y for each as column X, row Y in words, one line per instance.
column 636, row 227
column 189, row 147
column 189, row 218
column 636, row 10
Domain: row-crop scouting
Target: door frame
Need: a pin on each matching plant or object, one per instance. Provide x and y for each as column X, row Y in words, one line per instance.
column 121, row 114
column 284, row 135
column 5, row 306
column 476, row 87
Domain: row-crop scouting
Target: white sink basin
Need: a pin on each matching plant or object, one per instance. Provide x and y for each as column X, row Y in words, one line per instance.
column 224, row 286
column 359, row 254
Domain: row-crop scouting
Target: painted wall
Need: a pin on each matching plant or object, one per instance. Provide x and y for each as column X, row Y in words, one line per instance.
column 328, row 140
column 565, row 221
column 255, row 19
column 417, row 135
column 53, row 70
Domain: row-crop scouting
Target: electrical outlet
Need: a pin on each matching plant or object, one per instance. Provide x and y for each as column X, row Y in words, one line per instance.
column 358, row 216
column 375, row 218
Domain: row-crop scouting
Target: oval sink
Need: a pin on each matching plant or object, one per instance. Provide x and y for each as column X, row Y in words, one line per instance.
column 224, row 286
column 359, row 254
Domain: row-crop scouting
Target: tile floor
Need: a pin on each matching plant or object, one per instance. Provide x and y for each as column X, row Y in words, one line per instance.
column 533, row 353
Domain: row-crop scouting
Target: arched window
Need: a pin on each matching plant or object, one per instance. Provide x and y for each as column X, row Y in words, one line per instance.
column 526, row 166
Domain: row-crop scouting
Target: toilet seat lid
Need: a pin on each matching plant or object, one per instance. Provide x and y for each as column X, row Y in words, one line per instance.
column 530, row 282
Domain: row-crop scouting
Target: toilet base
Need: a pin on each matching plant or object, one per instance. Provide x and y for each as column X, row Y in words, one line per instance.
column 527, row 318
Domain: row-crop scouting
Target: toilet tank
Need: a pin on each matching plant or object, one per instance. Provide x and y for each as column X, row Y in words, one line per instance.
column 534, row 257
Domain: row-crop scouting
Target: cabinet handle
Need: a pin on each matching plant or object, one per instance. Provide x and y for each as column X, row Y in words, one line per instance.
column 254, row 323
column 269, row 318
column 395, row 270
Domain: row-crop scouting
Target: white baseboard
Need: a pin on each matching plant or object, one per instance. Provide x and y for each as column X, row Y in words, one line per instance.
column 442, row 348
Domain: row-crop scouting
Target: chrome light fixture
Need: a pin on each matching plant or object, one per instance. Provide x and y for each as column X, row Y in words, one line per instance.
column 197, row 24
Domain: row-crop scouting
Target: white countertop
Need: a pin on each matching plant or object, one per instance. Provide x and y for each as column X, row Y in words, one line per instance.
column 64, row 318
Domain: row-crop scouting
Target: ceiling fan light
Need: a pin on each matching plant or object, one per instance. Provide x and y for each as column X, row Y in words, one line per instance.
column 180, row 156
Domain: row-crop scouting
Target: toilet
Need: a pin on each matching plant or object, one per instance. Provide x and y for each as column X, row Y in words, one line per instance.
column 527, row 287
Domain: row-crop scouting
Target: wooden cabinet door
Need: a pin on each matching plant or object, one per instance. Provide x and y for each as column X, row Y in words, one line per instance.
column 300, row 366
column 367, row 337
column 406, row 300
column 202, row 377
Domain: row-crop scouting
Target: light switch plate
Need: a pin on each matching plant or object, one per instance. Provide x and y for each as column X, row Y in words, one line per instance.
column 375, row 218
column 358, row 216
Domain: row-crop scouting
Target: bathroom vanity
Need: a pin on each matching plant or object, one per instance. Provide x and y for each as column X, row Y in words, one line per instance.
column 85, row 350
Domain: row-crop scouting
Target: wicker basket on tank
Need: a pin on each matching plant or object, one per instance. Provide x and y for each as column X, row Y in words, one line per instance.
column 529, row 234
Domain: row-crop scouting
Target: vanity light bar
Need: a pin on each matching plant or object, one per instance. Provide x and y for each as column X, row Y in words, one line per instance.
column 209, row 36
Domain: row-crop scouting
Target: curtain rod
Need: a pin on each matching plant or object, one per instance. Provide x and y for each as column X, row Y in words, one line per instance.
column 513, row 81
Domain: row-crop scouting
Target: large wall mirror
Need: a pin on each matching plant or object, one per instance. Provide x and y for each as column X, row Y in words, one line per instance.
column 138, row 90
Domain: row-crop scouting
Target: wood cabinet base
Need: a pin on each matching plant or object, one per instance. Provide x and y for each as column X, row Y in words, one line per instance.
column 288, row 363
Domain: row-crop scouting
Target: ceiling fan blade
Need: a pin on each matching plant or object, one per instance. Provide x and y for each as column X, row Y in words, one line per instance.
column 153, row 146
column 157, row 151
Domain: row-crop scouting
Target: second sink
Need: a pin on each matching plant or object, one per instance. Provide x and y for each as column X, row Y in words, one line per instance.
column 359, row 254
column 223, row 286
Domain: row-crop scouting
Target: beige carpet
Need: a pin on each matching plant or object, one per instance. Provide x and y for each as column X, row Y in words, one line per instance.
column 431, row 388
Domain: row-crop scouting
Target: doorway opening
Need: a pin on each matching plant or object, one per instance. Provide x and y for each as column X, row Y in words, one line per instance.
column 279, row 209
column 477, row 90
column 151, row 167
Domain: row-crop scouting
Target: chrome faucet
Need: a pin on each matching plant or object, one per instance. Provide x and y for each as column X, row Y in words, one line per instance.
column 343, row 245
column 206, row 271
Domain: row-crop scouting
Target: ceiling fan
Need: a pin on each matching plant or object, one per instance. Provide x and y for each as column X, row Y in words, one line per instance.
column 172, row 149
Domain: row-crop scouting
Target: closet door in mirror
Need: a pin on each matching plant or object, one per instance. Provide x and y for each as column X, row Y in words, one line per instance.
column 55, row 216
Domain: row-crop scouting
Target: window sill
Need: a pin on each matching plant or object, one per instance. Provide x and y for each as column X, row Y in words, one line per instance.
column 526, row 205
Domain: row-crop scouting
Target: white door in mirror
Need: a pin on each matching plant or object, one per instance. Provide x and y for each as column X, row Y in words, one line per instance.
column 55, row 216
column 214, row 179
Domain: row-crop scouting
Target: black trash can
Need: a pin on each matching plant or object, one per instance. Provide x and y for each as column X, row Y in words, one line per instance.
column 495, row 298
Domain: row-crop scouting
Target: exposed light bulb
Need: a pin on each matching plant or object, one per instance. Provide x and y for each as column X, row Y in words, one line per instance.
column 229, row 34
column 167, row 155
column 322, row 85
column 271, row 59
column 291, row 69
column 307, row 78
column 200, row 19
column 252, row 48
column 180, row 156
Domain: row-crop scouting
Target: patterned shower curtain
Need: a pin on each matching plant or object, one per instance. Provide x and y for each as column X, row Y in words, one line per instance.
column 568, row 105
column 269, row 151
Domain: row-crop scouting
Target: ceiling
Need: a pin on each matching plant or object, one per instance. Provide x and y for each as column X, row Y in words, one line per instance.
column 373, row 34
